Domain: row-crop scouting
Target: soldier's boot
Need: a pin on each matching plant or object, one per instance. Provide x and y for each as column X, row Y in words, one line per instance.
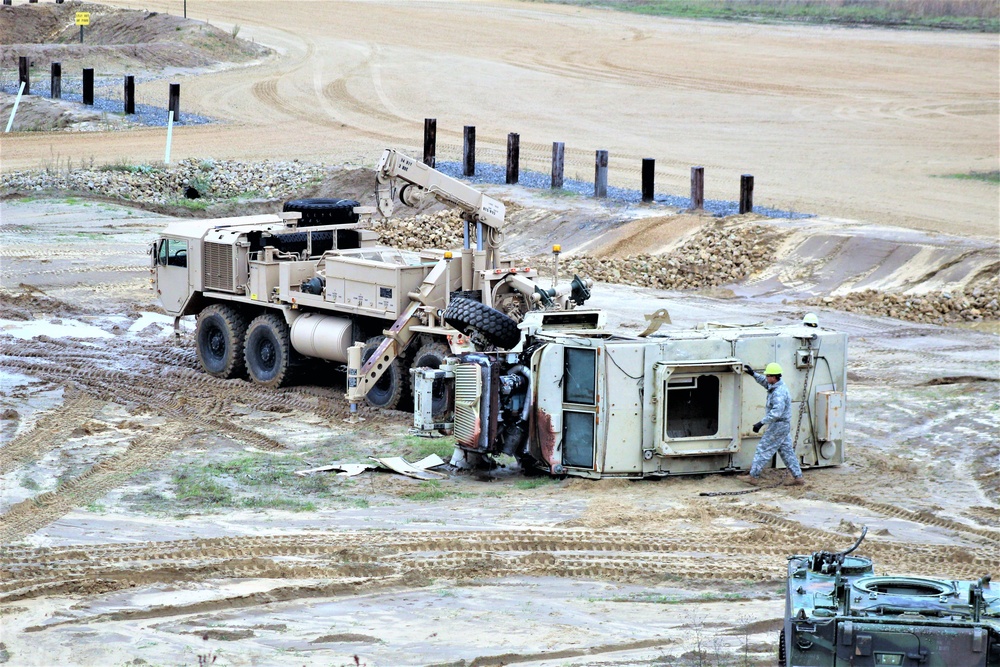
column 795, row 481
column 749, row 479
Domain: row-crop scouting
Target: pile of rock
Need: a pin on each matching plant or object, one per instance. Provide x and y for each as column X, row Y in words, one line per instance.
column 433, row 230
column 716, row 255
column 211, row 179
column 981, row 303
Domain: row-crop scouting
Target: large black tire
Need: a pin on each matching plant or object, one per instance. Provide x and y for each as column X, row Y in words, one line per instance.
column 220, row 334
column 432, row 355
column 781, row 648
column 268, row 350
column 499, row 329
column 323, row 211
column 390, row 390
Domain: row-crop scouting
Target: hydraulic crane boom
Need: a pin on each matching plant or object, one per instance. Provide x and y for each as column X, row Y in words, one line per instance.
column 421, row 180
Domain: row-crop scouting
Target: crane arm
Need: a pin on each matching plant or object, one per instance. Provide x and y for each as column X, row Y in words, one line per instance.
column 421, row 180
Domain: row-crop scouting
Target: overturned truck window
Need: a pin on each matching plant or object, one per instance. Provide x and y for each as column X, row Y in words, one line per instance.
column 692, row 406
column 580, row 384
column 578, row 439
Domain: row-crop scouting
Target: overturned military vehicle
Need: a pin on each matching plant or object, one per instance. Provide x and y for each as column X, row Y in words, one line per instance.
column 839, row 613
column 574, row 399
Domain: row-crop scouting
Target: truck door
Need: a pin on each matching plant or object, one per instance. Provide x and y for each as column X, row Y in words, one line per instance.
column 172, row 274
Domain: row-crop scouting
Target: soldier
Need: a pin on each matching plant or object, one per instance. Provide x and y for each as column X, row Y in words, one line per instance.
column 778, row 436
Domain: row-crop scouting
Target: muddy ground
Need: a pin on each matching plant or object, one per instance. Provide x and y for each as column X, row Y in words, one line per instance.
column 151, row 514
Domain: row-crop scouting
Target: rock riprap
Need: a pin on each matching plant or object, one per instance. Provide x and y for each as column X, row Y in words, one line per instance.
column 213, row 179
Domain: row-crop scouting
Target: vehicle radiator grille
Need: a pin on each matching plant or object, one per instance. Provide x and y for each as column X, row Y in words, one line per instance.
column 468, row 391
column 217, row 268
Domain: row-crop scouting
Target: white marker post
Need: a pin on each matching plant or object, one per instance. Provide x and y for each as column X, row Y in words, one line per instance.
column 170, row 135
column 10, row 123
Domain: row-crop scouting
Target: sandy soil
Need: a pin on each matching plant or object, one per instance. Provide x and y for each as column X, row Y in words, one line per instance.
column 104, row 562
column 859, row 124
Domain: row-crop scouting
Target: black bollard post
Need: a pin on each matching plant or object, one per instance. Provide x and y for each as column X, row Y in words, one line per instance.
column 601, row 174
column 558, row 164
column 697, row 188
column 648, row 170
column 174, row 101
column 469, row 151
column 88, row 86
column 746, row 193
column 129, row 94
column 23, row 74
column 430, row 141
column 55, row 87
column 513, row 157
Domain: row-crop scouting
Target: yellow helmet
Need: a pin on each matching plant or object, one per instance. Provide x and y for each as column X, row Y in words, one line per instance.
column 810, row 320
column 772, row 369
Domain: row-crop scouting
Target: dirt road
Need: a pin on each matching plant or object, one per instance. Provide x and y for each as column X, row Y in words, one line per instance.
column 860, row 124
column 149, row 511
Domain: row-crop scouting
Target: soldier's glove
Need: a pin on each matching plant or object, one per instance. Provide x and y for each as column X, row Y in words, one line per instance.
column 757, row 427
column 747, row 369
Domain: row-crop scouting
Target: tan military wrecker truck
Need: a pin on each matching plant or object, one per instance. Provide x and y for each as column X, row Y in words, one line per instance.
column 272, row 292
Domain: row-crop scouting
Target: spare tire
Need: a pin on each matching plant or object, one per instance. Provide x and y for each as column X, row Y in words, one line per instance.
column 324, row 211
column 499, row 329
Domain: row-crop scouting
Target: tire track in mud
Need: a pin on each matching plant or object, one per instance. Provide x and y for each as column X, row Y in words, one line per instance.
column 161, row 381
column 707, row 554
column 924, row 517
column 48, row 431
column 29, row 515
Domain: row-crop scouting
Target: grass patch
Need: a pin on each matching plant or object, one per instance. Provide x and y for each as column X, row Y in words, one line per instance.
column 984, row 176
column 432, row 490
column 413, row 448
column 975, row 15
column 29, row 484
column 534, row 483
column 191, row 204
column 96, row 508
column 257, row 481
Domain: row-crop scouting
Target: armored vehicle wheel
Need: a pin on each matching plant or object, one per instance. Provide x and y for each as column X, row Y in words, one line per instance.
column 269, row 354
column 499, row 329
column 781, row 648
column 432, row 355
column 220, row 333
column 390, row 389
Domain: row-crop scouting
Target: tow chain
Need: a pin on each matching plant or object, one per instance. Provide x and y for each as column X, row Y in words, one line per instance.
column 712, row 494
column 802, row 403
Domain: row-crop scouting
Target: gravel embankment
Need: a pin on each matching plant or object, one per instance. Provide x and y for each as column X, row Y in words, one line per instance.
column 214, row 180
column 981, row 303
column 722, row 253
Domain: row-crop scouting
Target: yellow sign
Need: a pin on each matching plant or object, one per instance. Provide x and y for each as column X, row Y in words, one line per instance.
column 83, row 18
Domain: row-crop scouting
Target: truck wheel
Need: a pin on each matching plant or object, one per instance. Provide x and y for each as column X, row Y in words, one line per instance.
column 220, row 334
column 432, row 355
column 499, row 329
column 269, row 351
column 390, row 389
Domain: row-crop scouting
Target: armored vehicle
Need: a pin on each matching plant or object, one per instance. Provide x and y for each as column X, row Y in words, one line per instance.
column 839, row 613
column 574, row 399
